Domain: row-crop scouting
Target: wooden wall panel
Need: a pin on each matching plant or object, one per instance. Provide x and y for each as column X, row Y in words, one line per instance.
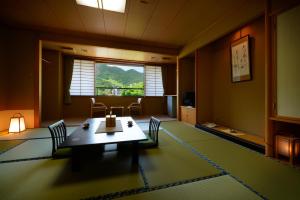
column 20, row 55
column 238, row 105
column 3, row 71
column 51, row 85
column 170, row 79
column 204, row 85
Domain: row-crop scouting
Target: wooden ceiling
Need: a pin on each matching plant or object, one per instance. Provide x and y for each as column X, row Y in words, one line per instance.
column 169, row 22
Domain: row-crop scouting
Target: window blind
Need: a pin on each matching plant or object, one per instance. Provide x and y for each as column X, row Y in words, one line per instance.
column 83, row 78
column 153, row 81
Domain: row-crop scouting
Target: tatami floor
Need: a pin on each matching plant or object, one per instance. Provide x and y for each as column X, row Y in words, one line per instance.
column 188, row 164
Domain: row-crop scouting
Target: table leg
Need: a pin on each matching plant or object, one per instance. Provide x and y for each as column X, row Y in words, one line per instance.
column 75, row 159
column 135, row 153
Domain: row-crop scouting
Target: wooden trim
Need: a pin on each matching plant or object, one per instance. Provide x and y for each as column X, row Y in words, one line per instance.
column 37, row 83
column 290, row 120
column 285, row 7
column 178, row 89
column 273, row 61
column 118, row 61
column 196, row 85
column 269, row 135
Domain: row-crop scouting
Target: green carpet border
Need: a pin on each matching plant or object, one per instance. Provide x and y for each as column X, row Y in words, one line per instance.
column 25, row 159
column 143, row 174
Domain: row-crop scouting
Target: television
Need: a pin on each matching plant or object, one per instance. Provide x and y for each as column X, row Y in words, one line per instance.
column 188, row 99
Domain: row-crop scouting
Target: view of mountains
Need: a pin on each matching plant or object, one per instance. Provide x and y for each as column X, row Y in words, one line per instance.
column 107, row 76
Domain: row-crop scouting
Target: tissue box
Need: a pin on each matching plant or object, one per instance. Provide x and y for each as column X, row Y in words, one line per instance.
column 110, row 120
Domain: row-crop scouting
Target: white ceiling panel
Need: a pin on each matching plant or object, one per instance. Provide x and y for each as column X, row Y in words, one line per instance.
column 67, row 13
column 115, row 23
column 92, row 19
column 138, row 18
column 163, row 16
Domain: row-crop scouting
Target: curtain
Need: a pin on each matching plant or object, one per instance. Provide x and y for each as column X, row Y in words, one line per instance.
column 164, row 84
column 68, row 72
column 164, row 78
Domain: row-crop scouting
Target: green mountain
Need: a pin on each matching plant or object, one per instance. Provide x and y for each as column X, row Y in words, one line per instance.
column 116, row 77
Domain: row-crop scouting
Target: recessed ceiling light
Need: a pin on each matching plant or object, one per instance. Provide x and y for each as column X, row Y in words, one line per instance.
column 112, row 5
column 90, row 3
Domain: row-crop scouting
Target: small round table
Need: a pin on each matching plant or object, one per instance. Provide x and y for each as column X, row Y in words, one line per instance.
column 117, row 110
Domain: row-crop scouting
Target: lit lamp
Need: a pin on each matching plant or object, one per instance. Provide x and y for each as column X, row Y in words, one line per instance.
column 288, row 146
column 17, row 123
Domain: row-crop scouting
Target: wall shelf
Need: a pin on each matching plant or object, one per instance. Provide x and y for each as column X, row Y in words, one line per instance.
column 251, row 141
column 286, row 119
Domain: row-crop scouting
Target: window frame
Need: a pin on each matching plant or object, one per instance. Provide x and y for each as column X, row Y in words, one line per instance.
column 119, row 62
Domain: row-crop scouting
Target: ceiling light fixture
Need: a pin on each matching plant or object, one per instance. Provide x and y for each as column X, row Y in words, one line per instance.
column 89, row 3
column 112, row 5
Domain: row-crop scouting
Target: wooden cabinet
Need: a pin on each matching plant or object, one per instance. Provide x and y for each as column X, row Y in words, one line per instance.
column 188, row 114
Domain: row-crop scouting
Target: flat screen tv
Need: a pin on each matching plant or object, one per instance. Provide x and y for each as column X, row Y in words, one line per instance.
column 188, row 99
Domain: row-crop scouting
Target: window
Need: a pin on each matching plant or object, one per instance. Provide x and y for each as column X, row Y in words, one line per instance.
column 153, row 81
column 90, row 78
column 119, row 80
column 83, row 78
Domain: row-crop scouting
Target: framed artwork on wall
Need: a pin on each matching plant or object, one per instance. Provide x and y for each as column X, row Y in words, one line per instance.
column 240, row 60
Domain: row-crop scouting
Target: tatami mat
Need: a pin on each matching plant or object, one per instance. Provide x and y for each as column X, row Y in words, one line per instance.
column 32, row 134
column 269, row 177
column 222, row 187
column 190, row 154
column 254, row 169
column 172, row 163
column 54, row 179
column 188, row 133
column 29, row 149
column 6, row 145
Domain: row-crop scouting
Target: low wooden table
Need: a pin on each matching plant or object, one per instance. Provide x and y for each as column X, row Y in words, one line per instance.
column 81, row 139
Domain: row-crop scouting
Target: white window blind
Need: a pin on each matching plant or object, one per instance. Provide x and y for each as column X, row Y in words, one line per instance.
column 83, row 78
column 153, row 81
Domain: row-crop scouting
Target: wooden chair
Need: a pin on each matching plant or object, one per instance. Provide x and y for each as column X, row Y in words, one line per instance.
column 135, row 108
column 98, row 107
column 152, row 134
column 59, row 134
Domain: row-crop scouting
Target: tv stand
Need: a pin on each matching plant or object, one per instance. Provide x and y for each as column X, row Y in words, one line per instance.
column 188, row 114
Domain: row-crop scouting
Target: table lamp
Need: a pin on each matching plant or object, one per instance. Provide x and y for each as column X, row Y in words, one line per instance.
column 17, row 123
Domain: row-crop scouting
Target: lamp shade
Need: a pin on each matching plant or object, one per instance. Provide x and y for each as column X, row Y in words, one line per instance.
column 17, row 123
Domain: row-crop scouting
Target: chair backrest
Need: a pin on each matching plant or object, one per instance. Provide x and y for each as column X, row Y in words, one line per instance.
column 58, row 134
column 139, row 100
column 153, row 129
column 93, row 101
